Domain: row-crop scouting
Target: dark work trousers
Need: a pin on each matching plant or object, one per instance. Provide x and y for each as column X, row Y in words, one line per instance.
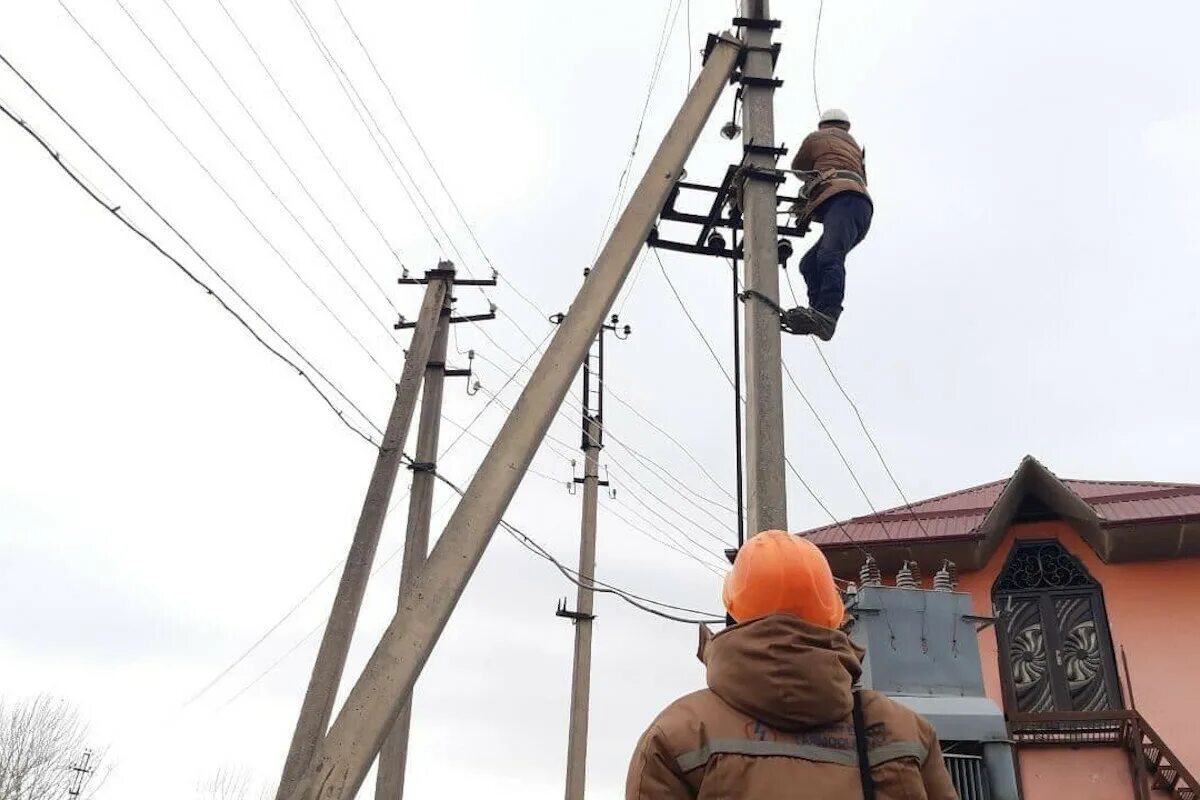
column 846, row 218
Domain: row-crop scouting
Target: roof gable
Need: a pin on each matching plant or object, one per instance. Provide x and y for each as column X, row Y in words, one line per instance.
column 983, row 513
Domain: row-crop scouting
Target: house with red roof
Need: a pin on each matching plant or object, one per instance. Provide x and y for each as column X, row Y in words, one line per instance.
column 1094, row 587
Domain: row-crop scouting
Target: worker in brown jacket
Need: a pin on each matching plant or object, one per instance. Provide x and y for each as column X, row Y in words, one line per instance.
column 780, row 718
column 835, row 194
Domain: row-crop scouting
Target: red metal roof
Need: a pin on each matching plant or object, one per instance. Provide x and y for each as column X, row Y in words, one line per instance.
column 959, row 514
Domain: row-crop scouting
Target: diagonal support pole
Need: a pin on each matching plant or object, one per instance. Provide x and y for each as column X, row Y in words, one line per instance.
column 335, row 644
column 345, row 756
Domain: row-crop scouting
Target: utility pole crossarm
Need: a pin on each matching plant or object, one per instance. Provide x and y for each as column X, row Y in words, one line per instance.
column 345, row 756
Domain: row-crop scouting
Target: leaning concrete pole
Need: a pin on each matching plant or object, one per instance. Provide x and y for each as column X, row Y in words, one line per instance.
column 331, row 658
column 393, row 758
column 345, row 756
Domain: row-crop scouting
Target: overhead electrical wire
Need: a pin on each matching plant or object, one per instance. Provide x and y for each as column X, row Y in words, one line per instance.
column 863, row 424
column 829, row 435
column 221, row 187
column 356, row 100
column 283, row 160
column 660, row 54
column 312, row 137
column 641, row 456
column 690, row 319
column 552, row 440
column 386, row 327
column 816, row 49
column 115, row 211
column 804, row 483
column 432, row 168
column 351, row 93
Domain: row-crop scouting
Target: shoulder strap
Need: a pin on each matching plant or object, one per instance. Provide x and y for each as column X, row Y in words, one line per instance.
column 860, row 742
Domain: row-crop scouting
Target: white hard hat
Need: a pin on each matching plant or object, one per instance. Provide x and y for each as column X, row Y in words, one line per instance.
column 835, row 115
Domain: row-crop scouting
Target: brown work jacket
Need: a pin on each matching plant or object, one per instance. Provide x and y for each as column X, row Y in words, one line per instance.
column 826, row 150
column 776, row 722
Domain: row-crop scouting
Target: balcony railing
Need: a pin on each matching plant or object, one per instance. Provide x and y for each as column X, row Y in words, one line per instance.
column 1121, row 727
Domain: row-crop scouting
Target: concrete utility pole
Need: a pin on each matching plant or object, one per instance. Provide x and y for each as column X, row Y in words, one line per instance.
column 335, row 644
column 766, row 479
column 350, row 747
column 393, row 758
column 582, row 616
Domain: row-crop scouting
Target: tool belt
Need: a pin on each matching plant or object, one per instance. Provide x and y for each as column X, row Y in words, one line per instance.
column 815, row 181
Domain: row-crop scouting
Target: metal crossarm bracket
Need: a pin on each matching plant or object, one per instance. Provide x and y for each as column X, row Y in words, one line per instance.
column 574, row 616
column 404, row 324
column 423, row 466
column 757, row 24
column 442, row 274
column 449, row 372
column 750, row 148
column 598, row 482
column 774, row 176
column 760, row 83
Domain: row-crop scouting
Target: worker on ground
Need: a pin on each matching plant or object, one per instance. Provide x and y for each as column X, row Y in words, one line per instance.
column 835, row 195
column 778, row 719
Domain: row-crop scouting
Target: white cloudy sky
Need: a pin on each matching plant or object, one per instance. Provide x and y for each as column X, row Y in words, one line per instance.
column 168, row 490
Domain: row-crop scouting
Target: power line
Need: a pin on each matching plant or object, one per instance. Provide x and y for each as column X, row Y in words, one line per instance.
column 836, row 446
column 554, row 440
column 220, row 186
column 690, row 319
column 312, row 137
column 347, row 86
column 863, row 424
column 678, row 444
column 187, row 242
column 689, row 45
column 115, row 211
column 572, row 575
column 660, row 54
column 404, row 118
column 670, row 542
column 303, row 186
column 816, row 43
column 641, row 456
column 387, row 329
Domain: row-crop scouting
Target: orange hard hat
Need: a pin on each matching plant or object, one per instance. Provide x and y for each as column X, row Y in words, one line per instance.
column 778, row 573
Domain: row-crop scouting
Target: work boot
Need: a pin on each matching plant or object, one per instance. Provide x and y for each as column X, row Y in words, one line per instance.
column 823, row 325
column 807, row 321
column 798, row 320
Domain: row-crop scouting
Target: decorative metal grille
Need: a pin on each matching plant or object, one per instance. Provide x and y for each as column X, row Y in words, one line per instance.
column 1054, row 636
column 1042, row 565
column 1029, row 664
column 1080, row 655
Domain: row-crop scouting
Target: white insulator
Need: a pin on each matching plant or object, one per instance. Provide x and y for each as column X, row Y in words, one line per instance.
column 944, row 580
column 905, row 578
column 869, row 574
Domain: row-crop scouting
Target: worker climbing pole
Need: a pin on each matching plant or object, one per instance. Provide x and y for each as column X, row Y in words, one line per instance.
column 832, row 165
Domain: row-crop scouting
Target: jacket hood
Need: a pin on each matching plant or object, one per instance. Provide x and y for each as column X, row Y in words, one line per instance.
column 783, row 671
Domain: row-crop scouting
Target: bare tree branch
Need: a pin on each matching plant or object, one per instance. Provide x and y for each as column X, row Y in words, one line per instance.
column 42, row 740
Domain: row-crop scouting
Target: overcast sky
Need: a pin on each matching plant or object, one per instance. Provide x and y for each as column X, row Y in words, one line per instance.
column 168, row 489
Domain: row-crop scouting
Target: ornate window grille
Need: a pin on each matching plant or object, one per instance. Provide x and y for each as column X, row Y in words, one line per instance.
column 1055, row 648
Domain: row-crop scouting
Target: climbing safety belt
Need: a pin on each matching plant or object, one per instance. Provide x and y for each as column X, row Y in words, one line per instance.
column 860, row 743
